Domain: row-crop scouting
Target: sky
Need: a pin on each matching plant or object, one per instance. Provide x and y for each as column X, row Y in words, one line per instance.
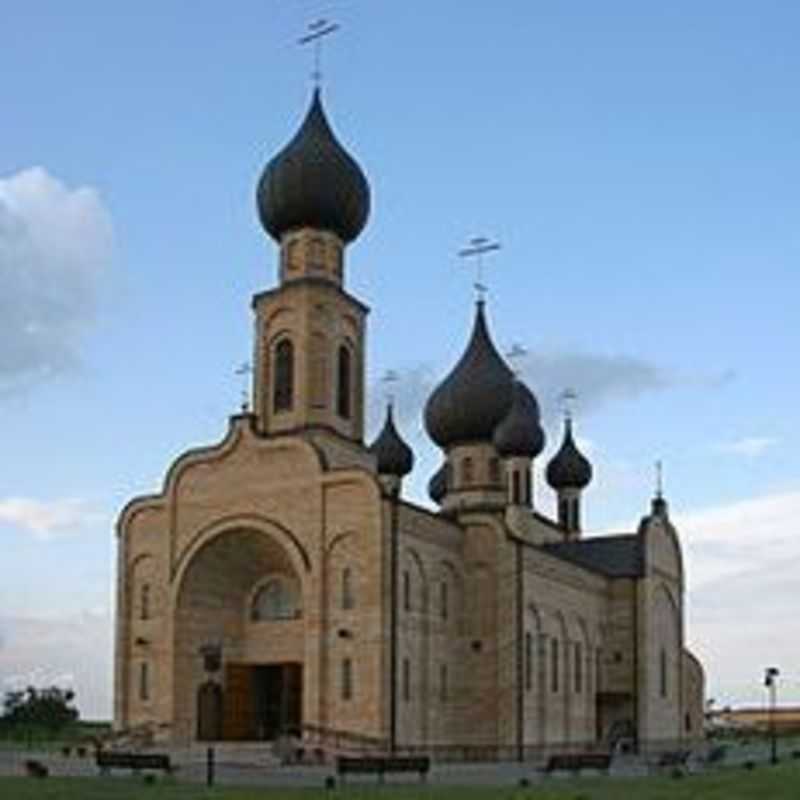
column 636, row 161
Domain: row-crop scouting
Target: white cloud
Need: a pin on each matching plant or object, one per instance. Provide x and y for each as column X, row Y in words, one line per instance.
column 71, row 651
column 743, row 565
column 46, row 520
column 56, row 245
column 749, row 446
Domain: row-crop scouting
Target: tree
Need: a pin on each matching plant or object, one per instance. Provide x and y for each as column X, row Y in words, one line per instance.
column 49, row 708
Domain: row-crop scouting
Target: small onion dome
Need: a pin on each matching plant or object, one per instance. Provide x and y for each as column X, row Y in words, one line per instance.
column 394, row 456
column 476, row 395
column 569, row 469
column 437, row 485
column 313, row 182
column 519, row 433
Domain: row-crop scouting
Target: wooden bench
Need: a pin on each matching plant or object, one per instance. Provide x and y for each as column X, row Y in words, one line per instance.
column 380, row 765
column 108, row 760
column 575, row 762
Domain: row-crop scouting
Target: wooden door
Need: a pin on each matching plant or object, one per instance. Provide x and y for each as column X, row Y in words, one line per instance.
column 238, row 711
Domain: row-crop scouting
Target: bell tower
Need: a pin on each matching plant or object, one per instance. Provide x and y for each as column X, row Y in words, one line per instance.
column 313, row 200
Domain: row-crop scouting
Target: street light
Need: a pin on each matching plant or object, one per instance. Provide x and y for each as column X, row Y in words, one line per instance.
column 771, row 683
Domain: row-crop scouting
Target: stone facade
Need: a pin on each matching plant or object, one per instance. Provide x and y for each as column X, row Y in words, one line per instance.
column 335, row 605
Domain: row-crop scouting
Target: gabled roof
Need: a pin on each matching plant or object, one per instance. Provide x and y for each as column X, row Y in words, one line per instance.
column 617, row 556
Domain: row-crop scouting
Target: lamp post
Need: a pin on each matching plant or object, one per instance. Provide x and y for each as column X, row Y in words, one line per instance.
column 771, row 683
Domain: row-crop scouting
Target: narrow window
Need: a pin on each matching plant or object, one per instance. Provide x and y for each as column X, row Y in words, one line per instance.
column 144, row 609
column 528, row 661
column 576, row 515
column 494, row 470
column 687, row 722
column 663, row 671
column 443, row 689
column 578, row 668
column 598, row 670
column 528, row 488
column 316, row 253
column 347, row 589
column 284, row 376
column 563, row 512
column 467, row 475
column 276, row 600
column 406, row 591
column 443, row 600
column 515, row 488
column 344, row 371
column 406, row 680
column 554, row 664
column 347, row 679
column 292, row 256
column 144, row 681
column 448, row 475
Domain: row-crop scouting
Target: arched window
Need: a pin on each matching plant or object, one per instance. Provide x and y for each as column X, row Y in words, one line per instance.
column 515, row 498
column 563, row 512
column 319, row 370
column 406, row 590
column 448, row 475
column 144, row 681
column 292, row 255
column 467, row 473
column 494, row 470
column 275, row 600
column 575, row 524
column 344, row 383
column 578, row 668
column 443, row 600
column 144, row 602
column 406, row 680
column 347, row 679
column 528, row 661
column 554, row 661
column 348, row 601
column 528, row 488
column 316, row 253
column 283, row 395
column 663, row 671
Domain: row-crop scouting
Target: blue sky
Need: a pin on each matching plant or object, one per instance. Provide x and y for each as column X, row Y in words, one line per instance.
column 637, row 161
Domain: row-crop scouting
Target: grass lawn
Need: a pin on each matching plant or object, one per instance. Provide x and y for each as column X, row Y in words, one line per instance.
column 763, row 783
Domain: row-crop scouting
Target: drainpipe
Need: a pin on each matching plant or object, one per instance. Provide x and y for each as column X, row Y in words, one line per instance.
column 393, row 559
column 520, row 658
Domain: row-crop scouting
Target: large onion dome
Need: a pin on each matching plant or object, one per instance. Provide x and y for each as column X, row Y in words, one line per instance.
column 313, row 182
column 394, row 456
column 437, row 485
column 470, row 402
column 569, row 469
column 520, row 432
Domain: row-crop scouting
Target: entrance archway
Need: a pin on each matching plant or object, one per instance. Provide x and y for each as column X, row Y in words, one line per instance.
column 242, row 590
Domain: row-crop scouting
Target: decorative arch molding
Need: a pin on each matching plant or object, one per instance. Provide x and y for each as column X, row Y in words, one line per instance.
column 411, row 554
column 236, row 522
column 337, row 540
column 652, row 525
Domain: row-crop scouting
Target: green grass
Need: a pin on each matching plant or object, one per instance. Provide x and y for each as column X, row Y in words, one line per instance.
column 763, row 783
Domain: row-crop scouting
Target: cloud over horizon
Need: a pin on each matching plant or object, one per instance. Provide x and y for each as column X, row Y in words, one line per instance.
column 49, row 519
column 56, row 248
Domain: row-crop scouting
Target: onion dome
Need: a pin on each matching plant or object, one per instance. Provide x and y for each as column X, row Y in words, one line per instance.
column 437, row 485
column 313, row 182
column 519, row 433
column 569, row 469
column 394, row 456
column 470, row 402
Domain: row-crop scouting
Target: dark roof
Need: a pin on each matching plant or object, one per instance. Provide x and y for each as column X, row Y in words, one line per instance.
column 437, row 485
column 615, row 556
column 520, row 433
column 313, row 182
column 569, row 469
column 470, row 402
column 393, row 455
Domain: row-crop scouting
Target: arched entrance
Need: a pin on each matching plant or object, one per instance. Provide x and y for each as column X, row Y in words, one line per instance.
column 241, row 592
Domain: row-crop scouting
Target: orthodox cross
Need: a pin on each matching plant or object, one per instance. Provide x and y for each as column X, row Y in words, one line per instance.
column 243, row 370
column 568, row 398
column 659, row 479
column 478, row 247
column 317, row 31
column 515, row 356
column 389, row 377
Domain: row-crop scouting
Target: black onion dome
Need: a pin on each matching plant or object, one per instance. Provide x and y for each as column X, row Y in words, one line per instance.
column 394, row 456
column 519, row 433
column 476, row 395
column 313, row 182
column 569, row 469
column 437, row 485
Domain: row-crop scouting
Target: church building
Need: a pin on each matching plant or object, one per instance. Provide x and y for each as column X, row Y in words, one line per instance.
column 281, row 581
